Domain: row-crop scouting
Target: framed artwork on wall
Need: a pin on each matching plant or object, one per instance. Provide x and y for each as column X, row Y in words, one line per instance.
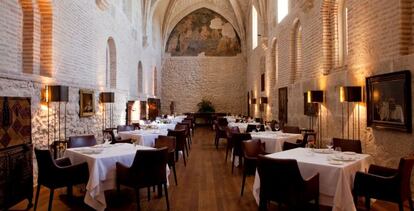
column 389, row 101
column 283, row 104
column 86, row 103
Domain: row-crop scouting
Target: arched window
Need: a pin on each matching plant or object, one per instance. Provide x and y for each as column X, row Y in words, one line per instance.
column 140, row 78
column 296, row 52
column 46, row 37
column 342, row 32
column 254, row 28
column 155, row 82
column 282, row 9
column 111, row 64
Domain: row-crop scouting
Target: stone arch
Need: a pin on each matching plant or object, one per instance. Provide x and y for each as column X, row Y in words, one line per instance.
column 140, row 78
column 111, row 65
column 296, row 52
column 274, row 59
column 28, row 36
column 46, row 39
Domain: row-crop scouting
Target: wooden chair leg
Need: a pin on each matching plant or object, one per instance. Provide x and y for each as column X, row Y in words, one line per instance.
column 367, row 202
column 262, row 204
column 175, row 173
column 37, row 196
column 186, row 147
column 137, row 198
column 232, row 163
column 176, row 156
column 401, row 206
column 410, row 202
column 149, row 193
column 69, row 191
column 185, row 163
column 243, row 181
column 52, row 191
column 227, row 153
column 166, row 196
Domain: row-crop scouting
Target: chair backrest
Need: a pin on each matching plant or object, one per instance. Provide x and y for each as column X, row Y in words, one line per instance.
column 46, row 164
column 253, row 148
column 404, row 170
column 81, row 141
column 273, row 124
column 260, row 120
column 291, row 129
column 237, row 139
column 165, row 141
column 288, row 146
column 347, row 145
column 231, row 130
column 136, row 126
column 250, row 128
column 280, row 179
column 222, row 121
column 125, row 128
column 308, row 137
column 180, row 135
column 184, row 126
column 149, row 166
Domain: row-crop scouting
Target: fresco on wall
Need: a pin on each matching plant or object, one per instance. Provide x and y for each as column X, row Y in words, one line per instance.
column 203, row 32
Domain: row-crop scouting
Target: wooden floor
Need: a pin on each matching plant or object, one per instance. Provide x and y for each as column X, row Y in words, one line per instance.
column 206, row 183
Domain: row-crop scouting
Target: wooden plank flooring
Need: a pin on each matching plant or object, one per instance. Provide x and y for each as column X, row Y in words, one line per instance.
column 206, row 183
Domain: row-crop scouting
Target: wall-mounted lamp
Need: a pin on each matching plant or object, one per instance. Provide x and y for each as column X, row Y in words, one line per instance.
column 316, row 96
column 253, row 101
column 263, row 100
column 350, row 94
column 107, row 98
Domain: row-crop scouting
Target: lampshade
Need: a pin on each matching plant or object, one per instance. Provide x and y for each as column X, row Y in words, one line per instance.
column 350, row 94
column 107, row 97
column 263, row 100
column 315, row 96
column 253, row 100
column 58, row 93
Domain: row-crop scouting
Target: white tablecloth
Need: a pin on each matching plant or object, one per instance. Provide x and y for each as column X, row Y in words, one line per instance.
column 143, row 137
column 170, row 126
column 177, row 119
column 102, row 169
column 242, row 126
column 274, row 139
column 335, row 181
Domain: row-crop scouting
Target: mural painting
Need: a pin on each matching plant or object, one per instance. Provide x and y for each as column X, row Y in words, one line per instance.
column 203, row 32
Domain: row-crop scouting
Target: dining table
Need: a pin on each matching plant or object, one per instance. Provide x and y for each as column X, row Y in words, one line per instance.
column 144, row 137
column 155, row 125
column 336, row 173
column 274, row 139
column 242, row 125
column 101, row 160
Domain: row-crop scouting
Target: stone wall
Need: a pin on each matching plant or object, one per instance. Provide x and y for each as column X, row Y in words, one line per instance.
column 377, row 44
column 187, row 80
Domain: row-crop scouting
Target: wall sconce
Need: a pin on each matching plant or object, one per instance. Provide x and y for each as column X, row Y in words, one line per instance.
column 350, row 94
column 253, row 101
column 107, row 98
column 316, row 96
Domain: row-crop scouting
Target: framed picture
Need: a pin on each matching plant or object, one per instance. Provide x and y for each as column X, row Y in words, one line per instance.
column 389, row 101
column 283, row 102
column 310, row 109
column 86, row 103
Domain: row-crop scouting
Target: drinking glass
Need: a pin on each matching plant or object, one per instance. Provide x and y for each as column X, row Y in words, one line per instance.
column 329, row 145
column 338, row 149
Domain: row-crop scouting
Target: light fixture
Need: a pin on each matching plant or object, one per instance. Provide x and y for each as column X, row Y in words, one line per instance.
column 263, row 100
column 316, row 96
column 350, row 94
column 107, row 98
column 253, row 101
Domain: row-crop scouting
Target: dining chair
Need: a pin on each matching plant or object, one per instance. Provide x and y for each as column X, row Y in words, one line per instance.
column 115, row 139
column 252, row 127
column 251, row 150
column 81, row 141
column 288, row 146
column 136, row 126
column 307, row 137
column 237, row 139
column 347, row 145
column 147, row 170
column 386, row 184
column 121, row 128
column 281, row 181
column 189, row 136
column 183, row 126
column 58, row 173
column 220, row 132
column 191, row 119
column 170, row 143
column 229, row 134
column 259, row 120
column 222, row 121
column 291, row 129
column 180, row 142
column 273, row 125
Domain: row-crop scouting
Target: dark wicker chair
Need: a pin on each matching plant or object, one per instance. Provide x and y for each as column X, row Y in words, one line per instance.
column 58, row 173
column 180, row 142
column 385, row 184
column 237, row 139
column 281, row 181
column 229, row 134
column 291, row 129
column 347, row 145
column 121, row 128
column 81, row 141
column 251, row 150
column 148, row 169
column 170, row 143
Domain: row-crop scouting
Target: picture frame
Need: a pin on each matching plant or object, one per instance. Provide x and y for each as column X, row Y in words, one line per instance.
column 389, row 101
column 86, row 103
column 283, row 104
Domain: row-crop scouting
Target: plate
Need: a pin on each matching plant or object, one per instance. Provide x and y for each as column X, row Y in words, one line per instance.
column 324, row 151
column 349, row 153
column 335, row 162
column 341, row 157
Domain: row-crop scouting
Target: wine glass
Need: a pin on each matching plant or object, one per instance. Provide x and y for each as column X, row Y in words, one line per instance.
column 338, row 149
column 329, row 145
column 258, row 128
